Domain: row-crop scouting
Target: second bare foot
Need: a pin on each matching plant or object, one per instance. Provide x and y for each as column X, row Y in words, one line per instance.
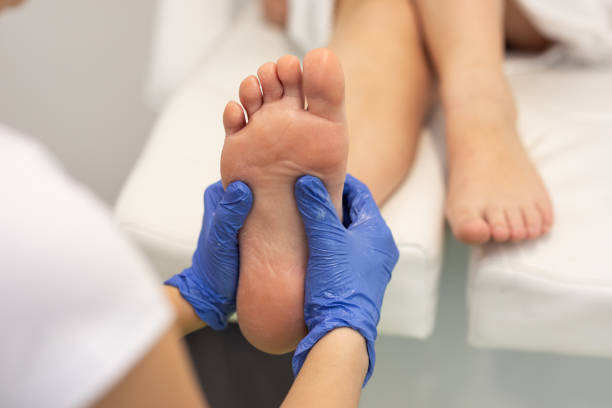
column 495, row 192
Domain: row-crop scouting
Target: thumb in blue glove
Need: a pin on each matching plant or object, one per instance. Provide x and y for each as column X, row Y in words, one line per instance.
column 210, row 283
column 348, row 267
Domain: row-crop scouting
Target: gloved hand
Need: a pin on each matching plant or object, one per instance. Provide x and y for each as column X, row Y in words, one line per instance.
column 209, row 284
column 348, row 267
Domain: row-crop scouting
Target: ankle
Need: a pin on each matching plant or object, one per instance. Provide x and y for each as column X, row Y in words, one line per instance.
column 477, row 95
column 464, row 85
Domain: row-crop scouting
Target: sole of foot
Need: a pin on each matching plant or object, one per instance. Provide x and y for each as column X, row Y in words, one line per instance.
column 281, row 141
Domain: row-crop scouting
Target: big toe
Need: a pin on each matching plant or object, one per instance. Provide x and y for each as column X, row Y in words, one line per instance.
column 469, row 227
column 323, row 84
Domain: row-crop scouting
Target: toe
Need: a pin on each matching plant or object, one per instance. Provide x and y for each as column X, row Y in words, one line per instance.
column 250, row 95
column 233, row 118
column 270, row 84
column 324, row 84
column 517, row 224
column 497, row 223
column 290, row 74
column 546, row 212
column 469, row 227
column 533, row 221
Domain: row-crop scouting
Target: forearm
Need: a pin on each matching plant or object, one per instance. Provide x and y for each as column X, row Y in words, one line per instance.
column 163, row 377
column 187, row 320
column 333, row 373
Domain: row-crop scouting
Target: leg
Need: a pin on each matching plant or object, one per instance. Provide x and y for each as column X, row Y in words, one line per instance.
column 494, row 190
column 387, row 77
column 387, row 81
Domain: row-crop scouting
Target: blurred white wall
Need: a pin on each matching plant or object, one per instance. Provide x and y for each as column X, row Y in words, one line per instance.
column 72, row 75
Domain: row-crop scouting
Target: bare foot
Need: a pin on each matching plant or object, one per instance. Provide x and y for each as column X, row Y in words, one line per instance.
column 495, row 192
column 281, row 142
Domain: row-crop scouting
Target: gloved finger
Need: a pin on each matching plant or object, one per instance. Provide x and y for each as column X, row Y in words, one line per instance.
column 360, row 203
column 212, row 197
column 367, row 219
column 232, row 211
column 315, row 205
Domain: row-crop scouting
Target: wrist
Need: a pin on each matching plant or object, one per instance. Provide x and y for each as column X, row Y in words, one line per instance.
column 186, row 319
column 349, row 347
column 363, row 318
column 333, row 373
column 355, row 323
column 211, row 308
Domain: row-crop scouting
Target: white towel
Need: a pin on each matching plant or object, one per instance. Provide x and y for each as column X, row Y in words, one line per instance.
column 583, row 28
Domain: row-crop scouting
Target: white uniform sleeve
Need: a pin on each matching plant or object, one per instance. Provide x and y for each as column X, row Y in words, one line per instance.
column 78, row 305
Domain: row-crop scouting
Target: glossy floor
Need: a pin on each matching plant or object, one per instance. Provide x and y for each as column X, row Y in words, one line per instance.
column 445, row 372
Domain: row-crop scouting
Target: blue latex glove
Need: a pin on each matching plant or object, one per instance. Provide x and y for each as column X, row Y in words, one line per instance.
column 348, row 267
column 210, row 283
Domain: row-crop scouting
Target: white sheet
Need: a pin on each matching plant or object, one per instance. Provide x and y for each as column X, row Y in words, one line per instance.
column 583, row 28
